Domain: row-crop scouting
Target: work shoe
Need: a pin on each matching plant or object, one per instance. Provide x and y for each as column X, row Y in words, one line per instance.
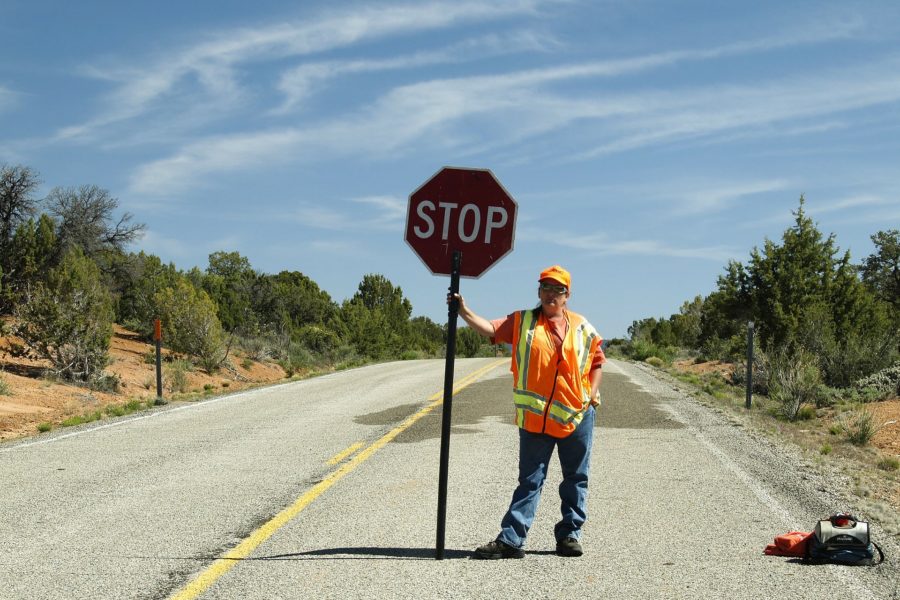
column 497, row 549
column 569, row 547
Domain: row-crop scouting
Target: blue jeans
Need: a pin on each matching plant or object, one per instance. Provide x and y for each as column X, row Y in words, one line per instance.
column 535, row 450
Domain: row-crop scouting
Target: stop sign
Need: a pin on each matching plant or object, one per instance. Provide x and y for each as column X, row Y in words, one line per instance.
column 461, row 209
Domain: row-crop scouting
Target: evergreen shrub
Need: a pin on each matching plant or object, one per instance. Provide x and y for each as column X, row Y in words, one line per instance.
column 67, row 320
column 885, row 381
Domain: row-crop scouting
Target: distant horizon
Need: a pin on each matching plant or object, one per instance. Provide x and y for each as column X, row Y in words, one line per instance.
column 646, row 144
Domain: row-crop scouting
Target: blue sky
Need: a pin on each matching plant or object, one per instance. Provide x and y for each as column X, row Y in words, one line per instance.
column 646, row 142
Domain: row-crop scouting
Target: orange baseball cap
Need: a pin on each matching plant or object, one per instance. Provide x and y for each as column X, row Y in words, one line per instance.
column 557, row 274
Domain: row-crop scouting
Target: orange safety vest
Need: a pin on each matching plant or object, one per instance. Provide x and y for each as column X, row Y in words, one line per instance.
column 551, row 390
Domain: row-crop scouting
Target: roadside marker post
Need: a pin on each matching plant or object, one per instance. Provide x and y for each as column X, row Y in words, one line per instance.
column 157, row 337
column 458, row 211
column 749, row 363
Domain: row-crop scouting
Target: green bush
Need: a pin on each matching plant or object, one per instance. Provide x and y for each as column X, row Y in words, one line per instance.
column 861, row 355
column 191, row 326
column 347, row 358
column 44, row 427
column 468, row 342
column 115, row 410
column 119, row 410
column 257, row 348
column 317, row 339
column 807, row 412
column 82, row 419
column 107, row 382
column 859, row 426
column 655, row 361
column 68, row 319
column 794, row 381
column 5, row 390
column 175, row 376
column 730, row 348
column 298, row 358
column 486, row 351
column 888, row 463
column 641, row 350
column 829, row 396
column 617, row 348
column 262, row 343
column 689, row 378
column 886, row 381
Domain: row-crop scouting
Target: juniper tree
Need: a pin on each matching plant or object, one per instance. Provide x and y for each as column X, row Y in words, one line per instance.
column 67, row 319
column 190, row 324
column 881, row 270
column 31, row 254
column 17, row 205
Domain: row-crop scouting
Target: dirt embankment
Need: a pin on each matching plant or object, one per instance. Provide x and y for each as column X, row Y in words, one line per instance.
column 33, row 400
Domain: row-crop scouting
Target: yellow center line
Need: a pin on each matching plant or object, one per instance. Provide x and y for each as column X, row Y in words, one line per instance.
column 228, row 560
column 344, row 453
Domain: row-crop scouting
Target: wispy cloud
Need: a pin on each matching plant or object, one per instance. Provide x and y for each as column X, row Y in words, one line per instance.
column 211, row 64
column 389, row 212
column 500, row 111
column 717, row 254
column 300, row 82
column 602, row 244
column 7, row 98
column 385, row 213
column 856, row 202
column 703, row 198
column 878, row 208
column 193, row 163
column 512, row 110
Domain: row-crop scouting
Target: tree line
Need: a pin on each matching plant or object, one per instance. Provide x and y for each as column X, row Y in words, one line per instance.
column 822, row 322
column 66, row 275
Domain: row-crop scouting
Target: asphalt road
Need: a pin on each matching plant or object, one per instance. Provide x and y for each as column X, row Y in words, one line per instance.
column 327, row 488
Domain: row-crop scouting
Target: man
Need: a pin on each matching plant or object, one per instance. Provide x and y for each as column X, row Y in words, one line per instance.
column 556, row 381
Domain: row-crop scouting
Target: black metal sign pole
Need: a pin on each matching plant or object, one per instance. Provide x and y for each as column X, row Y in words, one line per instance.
column 452, row 314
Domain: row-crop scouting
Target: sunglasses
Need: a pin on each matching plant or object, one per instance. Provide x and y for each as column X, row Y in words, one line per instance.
column 556, row 289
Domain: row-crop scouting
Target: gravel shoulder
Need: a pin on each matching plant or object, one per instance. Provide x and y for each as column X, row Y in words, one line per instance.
column 796, row 491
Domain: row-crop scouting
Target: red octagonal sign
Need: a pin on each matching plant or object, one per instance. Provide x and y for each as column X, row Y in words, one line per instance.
column 461, row 209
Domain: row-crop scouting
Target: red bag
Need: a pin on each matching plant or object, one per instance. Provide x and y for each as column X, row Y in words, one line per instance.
column 793, row 543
